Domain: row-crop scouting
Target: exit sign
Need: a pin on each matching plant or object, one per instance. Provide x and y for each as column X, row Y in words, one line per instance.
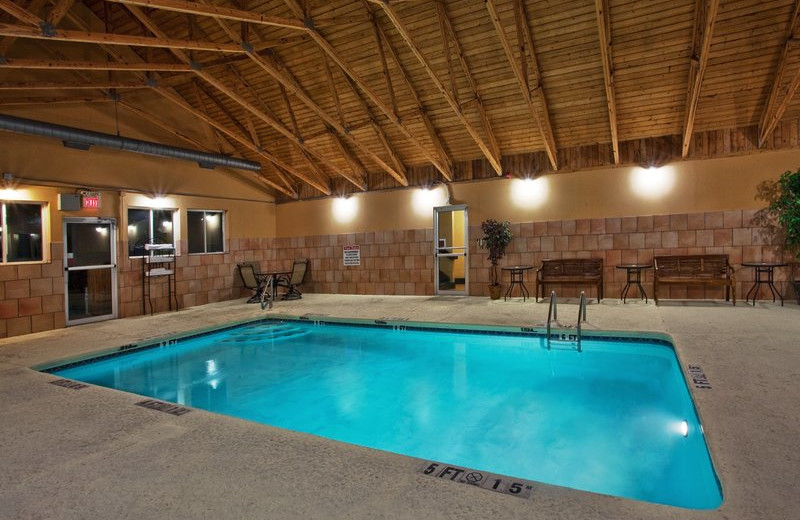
column 90, row 199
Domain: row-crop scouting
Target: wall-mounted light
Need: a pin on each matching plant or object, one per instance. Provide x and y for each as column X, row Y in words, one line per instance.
column 653, row 182
column 426, row 198
column 345, row 209
column 530, row 193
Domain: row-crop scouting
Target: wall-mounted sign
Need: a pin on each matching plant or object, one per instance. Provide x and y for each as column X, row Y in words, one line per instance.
column 351, row 255
column 90, row 199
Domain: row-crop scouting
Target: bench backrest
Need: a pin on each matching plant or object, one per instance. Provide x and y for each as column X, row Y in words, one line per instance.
column 572, row 267
column 692, row 265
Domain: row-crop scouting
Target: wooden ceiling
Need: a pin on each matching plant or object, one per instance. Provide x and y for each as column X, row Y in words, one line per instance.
column 329, row 95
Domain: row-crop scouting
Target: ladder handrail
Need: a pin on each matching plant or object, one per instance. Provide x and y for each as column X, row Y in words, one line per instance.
column 552, row 314
column 266, row 294
column 581, row 313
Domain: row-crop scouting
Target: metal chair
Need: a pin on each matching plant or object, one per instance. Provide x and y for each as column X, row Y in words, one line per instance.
column 257, row 282
column 298, row 274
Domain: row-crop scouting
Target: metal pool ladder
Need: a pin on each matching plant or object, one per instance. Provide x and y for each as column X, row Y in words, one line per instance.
column 266, row 294
column 552, row 316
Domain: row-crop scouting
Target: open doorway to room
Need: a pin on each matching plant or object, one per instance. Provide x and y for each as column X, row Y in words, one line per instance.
column 450, row 235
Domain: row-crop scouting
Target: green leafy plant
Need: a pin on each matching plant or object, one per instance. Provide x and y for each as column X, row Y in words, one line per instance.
column 783, row 197
column 496, row 237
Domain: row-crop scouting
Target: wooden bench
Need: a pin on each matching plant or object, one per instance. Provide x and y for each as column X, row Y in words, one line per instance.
column 694, row 270
column 570, row 271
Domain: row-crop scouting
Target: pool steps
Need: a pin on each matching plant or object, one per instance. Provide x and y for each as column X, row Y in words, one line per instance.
column 267, row 331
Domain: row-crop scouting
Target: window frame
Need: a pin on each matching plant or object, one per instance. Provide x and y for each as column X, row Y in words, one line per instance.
column 150, row 210
column 44, row 235
column 223, row 220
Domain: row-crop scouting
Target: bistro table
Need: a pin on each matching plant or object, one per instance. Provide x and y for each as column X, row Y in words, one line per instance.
column 276, row 275
column 633, row 277
column 517, row 278
column 765, row 272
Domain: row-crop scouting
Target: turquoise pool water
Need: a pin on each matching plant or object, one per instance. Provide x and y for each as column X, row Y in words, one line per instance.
column 616, row 418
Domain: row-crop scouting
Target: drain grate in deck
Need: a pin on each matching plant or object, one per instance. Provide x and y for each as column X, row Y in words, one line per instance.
column 169, row 408
column 66, row 383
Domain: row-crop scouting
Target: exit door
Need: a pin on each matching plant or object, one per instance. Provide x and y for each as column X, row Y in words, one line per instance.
column 451, row 268
column 90, row 269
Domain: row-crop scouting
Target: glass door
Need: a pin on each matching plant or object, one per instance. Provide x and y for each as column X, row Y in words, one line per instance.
column 90, row 252
column 451, row 269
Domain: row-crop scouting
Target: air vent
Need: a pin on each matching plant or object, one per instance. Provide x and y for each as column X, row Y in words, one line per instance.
column 169, row 408
column 66, row 383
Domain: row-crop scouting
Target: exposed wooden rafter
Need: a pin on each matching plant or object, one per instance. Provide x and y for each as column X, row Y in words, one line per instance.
column 492, row 157
column 236, row 15
column 773, row 111
column 286, row 80
column 604, row 32
column 53, row 100
column 58, row 11
column 62, row 35
column 256, row 181
column 705, row 18
column 125, row 55
column 540, row 112
column 241, row 101
column 74, row 85
column 33, row 7
column 15, row 63
column 20, row 13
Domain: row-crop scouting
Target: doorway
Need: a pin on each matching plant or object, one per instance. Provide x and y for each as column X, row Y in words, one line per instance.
column 450, row 236
column 90, row 269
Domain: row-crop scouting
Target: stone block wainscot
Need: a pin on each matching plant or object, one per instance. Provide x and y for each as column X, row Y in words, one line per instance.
column 400, row 262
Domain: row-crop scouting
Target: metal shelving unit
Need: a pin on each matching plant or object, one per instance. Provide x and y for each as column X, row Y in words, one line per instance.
column 159, row 262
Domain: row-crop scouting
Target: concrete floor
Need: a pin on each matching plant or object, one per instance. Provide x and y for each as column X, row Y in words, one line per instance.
column 68, row 454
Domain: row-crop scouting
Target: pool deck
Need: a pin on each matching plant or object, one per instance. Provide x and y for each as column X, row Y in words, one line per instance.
column 91, row 453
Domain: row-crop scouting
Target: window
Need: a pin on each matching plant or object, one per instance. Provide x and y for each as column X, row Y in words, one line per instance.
column 205, row 231
column 149, row 226
column 21, row 228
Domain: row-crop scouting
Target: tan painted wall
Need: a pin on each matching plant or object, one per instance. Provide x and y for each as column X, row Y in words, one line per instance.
column 707, row 185
column 45, row 160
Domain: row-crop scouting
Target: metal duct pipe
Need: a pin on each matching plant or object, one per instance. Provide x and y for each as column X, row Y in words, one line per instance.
column 82, row 139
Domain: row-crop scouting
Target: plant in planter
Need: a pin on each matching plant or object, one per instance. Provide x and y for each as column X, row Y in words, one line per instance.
column 783, row 213
column 496, row 237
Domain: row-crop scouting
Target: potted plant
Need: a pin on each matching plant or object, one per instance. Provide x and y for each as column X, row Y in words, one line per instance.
column 496, row 237
column 783, row 216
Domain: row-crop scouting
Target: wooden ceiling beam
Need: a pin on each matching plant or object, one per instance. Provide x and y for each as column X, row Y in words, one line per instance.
column 772, row 114
column 355, row 165
column 116, row 39
column 74, row 85
column 441, row 14
column 20, row 13
column 33, row 7
column 153, row 118
column 119, row 55
column 382, row 55
column 386, row 109
column 241, row 139
column 604, row 32
column 53, row 100
column 705, row 18
column 15, row 63
column 58, row 11
column 220, row 86
column 493, row 158
column 215, row 11
column 542, row 119
column 384, row 139
column 285, row 79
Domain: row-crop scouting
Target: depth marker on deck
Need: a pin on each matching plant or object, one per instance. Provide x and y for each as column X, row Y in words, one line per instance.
column 482, row 479
column 698, row 377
